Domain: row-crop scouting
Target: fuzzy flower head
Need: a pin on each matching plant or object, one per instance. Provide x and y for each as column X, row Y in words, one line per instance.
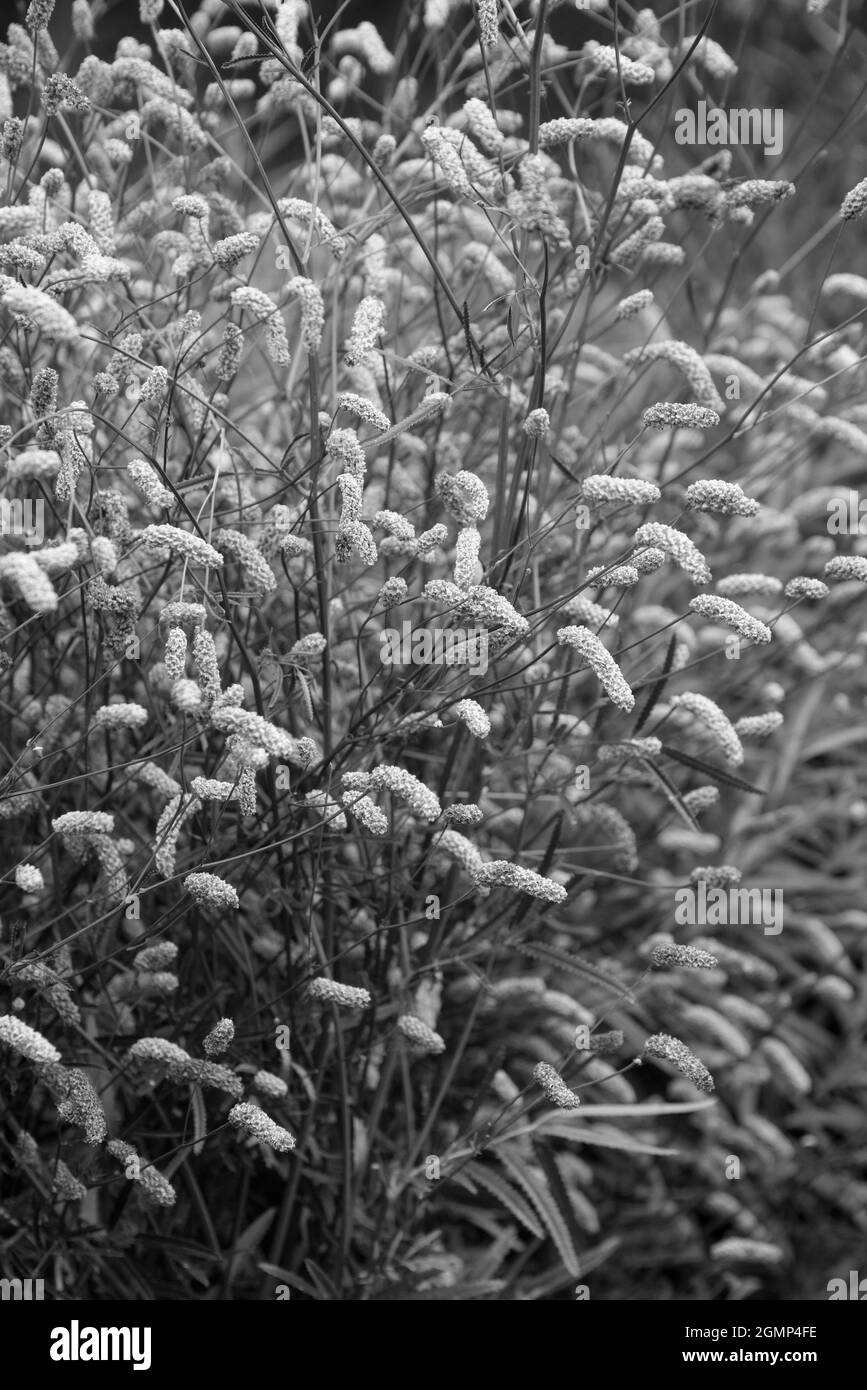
column 158, row 957
column 758, row 725
column 475, row 718
column 464, row 496
column 665, row 416
column 182, row 543
column 26, row 576
column 672, row 1050
column 21, row 1038
column 365, row 809
column 83, row 823
column 327, row 991
column 600, row 489
column 156, row 1189
column 537, row 424
column 686, row 957
column 725, row 611
column 461, row 849
column 257, row 572
column 716, row 875
column 120, row 716
column 855, row 202
column 802, row 586
column 847, row 566
column 220, row 1038
column 726, row 499
column 312, row 310
column 421, row 800
column 39, row 309
column 393, row 591
column 688, row 362
column 613, row 577
column 270, row 1086
column 678, row 545
column 147, row 480
column 254, row 1121
column 367, row 325
column 601, row 662
column 420, row 1035
column 207, row 890
column 555, row 1087
column 500, row 873
column 734, row 585
column 29, row 879
column 79, row 1105
column 710, row 714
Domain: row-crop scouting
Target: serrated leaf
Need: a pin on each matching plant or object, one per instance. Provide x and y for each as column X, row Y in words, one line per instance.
column 539, row 1194
column 506, row 1194
column 558, row 1191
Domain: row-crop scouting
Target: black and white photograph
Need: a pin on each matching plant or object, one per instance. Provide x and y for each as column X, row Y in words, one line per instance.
column 433, row 671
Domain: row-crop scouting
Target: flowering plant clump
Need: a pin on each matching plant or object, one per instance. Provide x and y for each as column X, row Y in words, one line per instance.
column 431, row 652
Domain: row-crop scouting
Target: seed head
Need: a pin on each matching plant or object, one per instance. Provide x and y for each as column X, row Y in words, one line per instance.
column 723, row 610
column 417, row 1032
column 253, row 1120
column 714, row 495
column 688, row 957
column 220, row 1038
column 21, row 1038
column 672, row 1050
column 344, row 996
column 210, row 891
column 601, row 662
column 555, row 1087
column 500, row 873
